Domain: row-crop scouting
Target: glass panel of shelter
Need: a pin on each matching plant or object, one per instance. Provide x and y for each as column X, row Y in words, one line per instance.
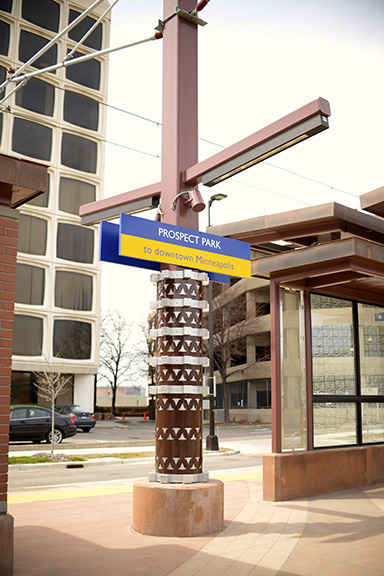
column 348, row 371
column 293, row 374
column 371, row 346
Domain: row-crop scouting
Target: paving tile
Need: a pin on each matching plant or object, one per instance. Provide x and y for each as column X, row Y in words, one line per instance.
column 332, row 535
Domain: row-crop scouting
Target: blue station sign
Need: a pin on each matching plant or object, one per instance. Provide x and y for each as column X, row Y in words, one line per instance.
column 148, row 244
column 167, row 244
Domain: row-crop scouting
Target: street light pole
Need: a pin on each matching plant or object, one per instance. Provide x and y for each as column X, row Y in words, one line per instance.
column 212, row 441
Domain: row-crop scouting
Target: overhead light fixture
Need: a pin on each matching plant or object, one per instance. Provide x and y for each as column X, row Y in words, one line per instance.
column 266, row 149
column 133, row 207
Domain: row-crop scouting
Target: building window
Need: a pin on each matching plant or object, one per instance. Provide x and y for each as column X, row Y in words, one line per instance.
column 44, row 13
column 30, row 44
column 37, row 96
column 30, row 284
column 238, row 308
column 74, row 193
column 3, row 75
column 27, row 335
column 23, row 390
column 237, row 394
column 6, row 6
column 239, row 352
column 94, row 40
column 263, row 353
column 4, row 37
column 73, row 291
column 85, row 73
column 263, row 394
column 79, row 153
column 72, row 339
column 263, row 308
column 75, row 243
column 81, row 110
column 32, row 235
column 42, row 200
column 31, row 139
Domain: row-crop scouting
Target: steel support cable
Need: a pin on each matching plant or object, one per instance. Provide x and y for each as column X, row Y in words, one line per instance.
column 44, row 49
column 30, row 117
column 92, row 28
column 78, row 60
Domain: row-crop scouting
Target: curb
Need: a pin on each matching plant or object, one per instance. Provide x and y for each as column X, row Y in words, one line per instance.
column 80, row 446
column 108, row 460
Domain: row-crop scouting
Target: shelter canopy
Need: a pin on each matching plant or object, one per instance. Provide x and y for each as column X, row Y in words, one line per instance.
column 329, row 248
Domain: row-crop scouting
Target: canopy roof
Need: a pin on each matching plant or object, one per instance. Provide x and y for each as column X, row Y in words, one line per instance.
column 330, row 249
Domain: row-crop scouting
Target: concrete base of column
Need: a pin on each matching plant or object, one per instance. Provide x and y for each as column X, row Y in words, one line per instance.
column 6, row 545
column 178, row 509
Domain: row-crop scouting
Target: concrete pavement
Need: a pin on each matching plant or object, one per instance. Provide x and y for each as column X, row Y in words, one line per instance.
column 88, row 531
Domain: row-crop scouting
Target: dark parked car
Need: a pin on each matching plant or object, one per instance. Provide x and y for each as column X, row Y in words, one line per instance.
column 35, row 423
column 83, row 418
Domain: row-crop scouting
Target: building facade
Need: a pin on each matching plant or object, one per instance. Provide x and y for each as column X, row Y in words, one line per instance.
column 241, row 341
column 58, row 119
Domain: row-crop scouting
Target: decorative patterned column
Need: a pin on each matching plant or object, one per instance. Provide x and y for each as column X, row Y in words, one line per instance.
column 179, row 376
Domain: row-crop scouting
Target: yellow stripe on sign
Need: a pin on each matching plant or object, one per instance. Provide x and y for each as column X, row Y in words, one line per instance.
column 147, row 249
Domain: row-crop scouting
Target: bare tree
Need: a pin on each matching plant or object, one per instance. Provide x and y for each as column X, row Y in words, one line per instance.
column 147, row 349
column 116, row 352
column 50, row 383
column 233, row 322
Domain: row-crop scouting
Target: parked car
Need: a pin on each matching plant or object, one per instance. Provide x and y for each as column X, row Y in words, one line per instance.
column 83, row 418
column 35, row 423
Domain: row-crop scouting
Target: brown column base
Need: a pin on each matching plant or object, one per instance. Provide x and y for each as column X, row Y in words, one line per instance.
column 6, row 545
column 178, row 509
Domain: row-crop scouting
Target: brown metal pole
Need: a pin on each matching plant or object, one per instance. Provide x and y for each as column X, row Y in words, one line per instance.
column 179, row 362
column 275, row 367
column 308, row 367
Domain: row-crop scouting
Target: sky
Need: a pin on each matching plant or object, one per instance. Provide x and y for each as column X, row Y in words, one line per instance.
column 258, row 61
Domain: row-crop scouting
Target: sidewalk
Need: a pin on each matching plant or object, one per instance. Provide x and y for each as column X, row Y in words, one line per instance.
column 88, row 531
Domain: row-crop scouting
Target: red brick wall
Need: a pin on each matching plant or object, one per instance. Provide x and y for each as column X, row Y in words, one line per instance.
column 8, row 254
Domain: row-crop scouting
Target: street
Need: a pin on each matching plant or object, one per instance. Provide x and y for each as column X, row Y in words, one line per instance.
column 246, row 444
